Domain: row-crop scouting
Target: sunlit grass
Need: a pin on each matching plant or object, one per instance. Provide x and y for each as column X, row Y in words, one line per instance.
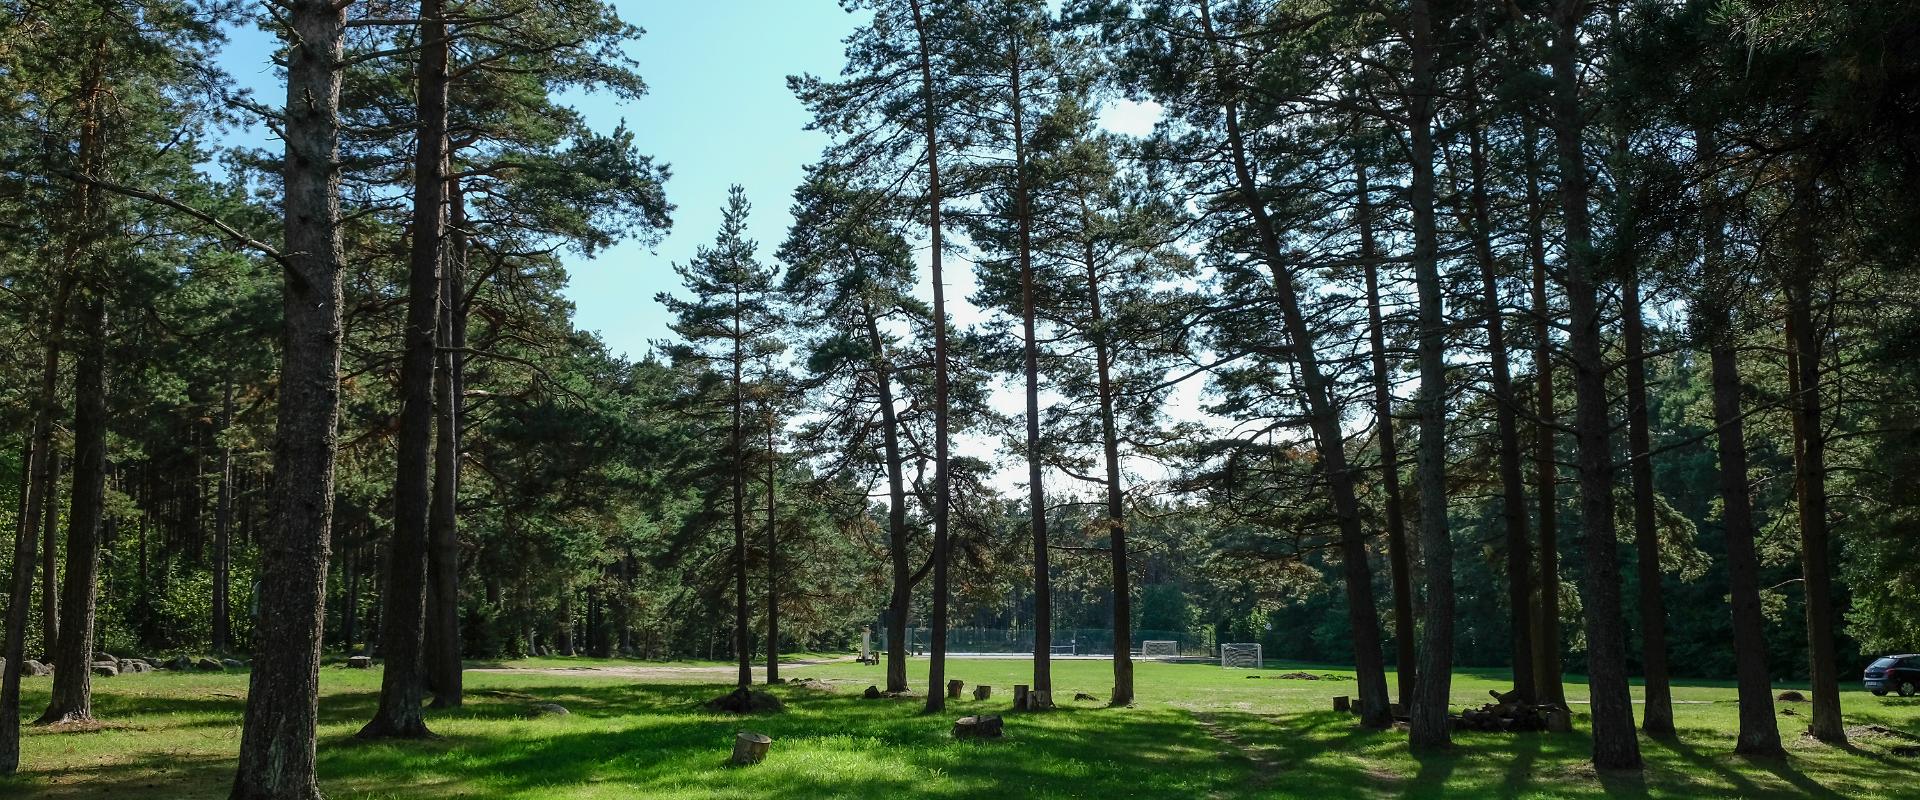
column 1196, row 731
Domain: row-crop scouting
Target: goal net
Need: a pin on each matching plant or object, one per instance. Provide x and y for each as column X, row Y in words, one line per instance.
column 1160, row 648
column 1241, row 655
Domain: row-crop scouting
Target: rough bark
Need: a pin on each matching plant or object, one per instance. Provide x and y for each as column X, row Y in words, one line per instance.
column 25, row 542
column 773, row 558
column 1759, row 733
column 742, row 652
column 443, row 523
column 1657, row 714
column 1116, row 493
column 1429, row 727
column 1513, row 489
column 1615, row 745
column 222, row 531
column 1324, row 416
column 1399, row 564
column 942, row 496
column 1810, row 470
column 277, row 737
column 72, row 699
column 1030, row 355
column 403, row 681
column 900, row 599
column 1547, row 674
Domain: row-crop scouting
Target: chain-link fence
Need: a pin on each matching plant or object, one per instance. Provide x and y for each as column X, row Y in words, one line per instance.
column 1067, row 642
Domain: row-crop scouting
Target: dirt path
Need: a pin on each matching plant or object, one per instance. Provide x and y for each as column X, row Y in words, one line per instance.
column 1265, row 766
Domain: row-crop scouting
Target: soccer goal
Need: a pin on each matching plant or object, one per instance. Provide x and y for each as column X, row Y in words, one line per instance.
column 1068, row 649
column 1160, row 648
column 1243, row 655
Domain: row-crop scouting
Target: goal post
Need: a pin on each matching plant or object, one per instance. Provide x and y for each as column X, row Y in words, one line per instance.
column 1160, row 648
column 1240, row 655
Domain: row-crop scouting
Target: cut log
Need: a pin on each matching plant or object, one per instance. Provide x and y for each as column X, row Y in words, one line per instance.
column 982, row 692
column 1020, row 697
column 750, row 748
column 980, row 727
column 953, row 688
column 1342, row 703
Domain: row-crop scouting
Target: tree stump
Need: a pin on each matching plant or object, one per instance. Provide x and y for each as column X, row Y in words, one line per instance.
column 1020, row 697
column 750, row 748
column 953, row 688
column 1560, row 720
column 1342, row 703
column 982, row 692
column 981, row 727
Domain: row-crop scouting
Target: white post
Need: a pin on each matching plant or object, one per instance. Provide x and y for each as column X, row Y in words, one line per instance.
column 866, row 643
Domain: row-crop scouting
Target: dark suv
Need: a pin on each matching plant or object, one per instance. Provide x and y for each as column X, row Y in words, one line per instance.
column 1894, row 673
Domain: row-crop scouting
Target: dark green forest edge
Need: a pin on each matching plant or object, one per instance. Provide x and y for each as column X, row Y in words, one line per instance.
column 1564, row 349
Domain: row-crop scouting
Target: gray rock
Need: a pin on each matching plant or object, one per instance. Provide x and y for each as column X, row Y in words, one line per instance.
column 180, row 663
column 209, row 665
column 547, row 710
column 36, row 669
column 106, row 669
column 360, row 662
column 133, row 666
column 233, row 663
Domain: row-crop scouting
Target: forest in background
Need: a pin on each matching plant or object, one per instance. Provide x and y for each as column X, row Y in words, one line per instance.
column 1573, row 337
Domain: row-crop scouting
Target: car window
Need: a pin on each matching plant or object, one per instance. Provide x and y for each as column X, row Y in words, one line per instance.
column 1911, row 662
column 1883, row 663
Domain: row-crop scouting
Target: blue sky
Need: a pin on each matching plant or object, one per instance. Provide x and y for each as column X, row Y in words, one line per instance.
column 718, row 111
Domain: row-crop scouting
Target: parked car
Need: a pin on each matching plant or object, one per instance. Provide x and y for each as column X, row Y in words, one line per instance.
column 1894, row 674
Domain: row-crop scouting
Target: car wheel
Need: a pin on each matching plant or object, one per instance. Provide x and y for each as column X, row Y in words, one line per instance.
column 1906, row 689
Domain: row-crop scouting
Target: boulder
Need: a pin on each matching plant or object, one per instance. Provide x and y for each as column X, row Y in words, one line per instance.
column 547, row 710
column 360, row 662
column 35, row 669
column 106, row 669
column 209, row 665
column 134, row 665
column 180, row 663
column 233, row 663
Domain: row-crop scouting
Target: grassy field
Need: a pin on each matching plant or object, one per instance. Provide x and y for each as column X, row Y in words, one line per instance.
column 636, row 731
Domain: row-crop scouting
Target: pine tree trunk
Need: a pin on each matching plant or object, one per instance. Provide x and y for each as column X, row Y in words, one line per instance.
column 277, row 738
column 1810, row 469
column 1759, row 733
column 222, row 526
column 1547, row 676
column 1429, row 727
column 773, row 560
column 1399, row 565
column 72, row 699
column 1513, row 489
column 20, row 589
column 900, row 599
column 1330, row 443
column 942, row 497
column 403, row 681
column 1030, row 354
column 1116, row 521
column 1657, row 715
column 443, row 531
column 1615, row 745
column 742, row 653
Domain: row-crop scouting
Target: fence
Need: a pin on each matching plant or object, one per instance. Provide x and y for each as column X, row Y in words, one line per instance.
column 1067, row 642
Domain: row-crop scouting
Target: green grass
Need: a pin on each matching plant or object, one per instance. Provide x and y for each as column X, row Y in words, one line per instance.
column 1197, row 731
